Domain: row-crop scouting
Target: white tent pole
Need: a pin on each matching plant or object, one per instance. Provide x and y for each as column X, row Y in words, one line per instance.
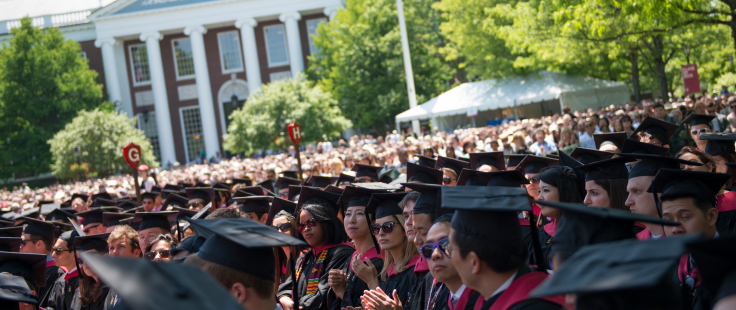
column 516, row 110
column 407, row 65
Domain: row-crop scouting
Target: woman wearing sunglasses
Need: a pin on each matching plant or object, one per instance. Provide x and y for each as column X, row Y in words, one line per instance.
column 323, row 231
column 556, row 184
column 158, row 249
column 285, row 223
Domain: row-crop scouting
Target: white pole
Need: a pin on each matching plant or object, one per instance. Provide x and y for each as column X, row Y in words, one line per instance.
column 407, row 65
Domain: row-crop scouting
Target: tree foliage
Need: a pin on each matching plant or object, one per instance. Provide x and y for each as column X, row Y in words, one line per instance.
column 44, row 81
column 360, row 60
column 262, row 121
column 100, row 137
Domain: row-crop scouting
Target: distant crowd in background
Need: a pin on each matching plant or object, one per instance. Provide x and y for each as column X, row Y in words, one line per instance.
column 547, row 135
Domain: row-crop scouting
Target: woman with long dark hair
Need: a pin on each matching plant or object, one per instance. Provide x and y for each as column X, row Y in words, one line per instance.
column 556, row 184
column 605, row 183
column 91, row 293
column 307, row 288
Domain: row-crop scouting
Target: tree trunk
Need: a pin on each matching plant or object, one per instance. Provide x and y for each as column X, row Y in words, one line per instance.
column 659, row 66
column 635, row 75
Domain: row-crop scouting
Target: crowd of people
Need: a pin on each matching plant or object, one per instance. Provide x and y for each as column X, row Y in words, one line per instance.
column 627, row 207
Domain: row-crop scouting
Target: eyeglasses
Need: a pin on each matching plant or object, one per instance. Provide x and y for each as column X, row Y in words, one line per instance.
column 283, row 227
column 59, row 250
column 23, row 241
column 310, row 223
column 699, row 131
column 447, row 180
column 387, row 227
column 427, row 249
column 151, row 255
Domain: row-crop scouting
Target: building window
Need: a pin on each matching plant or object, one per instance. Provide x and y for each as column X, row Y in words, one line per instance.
column 276, row 50
column 83, row 54
column 279, row 76
column 230, row 56
column 183, row 58
column 191, row 123
column 312, row 25
column 147, row 123
column 139, row 63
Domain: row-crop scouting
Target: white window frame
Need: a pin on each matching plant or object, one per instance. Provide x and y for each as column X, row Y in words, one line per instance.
column 151, row 115
column 84, row 54
column 132, row 66
column 184, row 130
column 240, row 52
column 176, row 67
column 310, row 41
column 286, row 43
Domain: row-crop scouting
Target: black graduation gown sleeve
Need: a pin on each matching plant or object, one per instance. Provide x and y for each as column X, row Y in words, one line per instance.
column 404, row 283
column 52, row 274
column 545, row 243
column 421, row 291
column 355, row 287
column 337, row 258
column 63, row 294
column 726, row 223
column 526, row 233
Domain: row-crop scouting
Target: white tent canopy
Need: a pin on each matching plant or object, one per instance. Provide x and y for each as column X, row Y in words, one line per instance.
column 576, row 92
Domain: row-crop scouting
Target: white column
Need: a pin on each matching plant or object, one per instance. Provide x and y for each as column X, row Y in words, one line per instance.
column 250, row 51
column 291, row 20
column 160, row 98
column 331, row 11
column 204, row 89
column 111, row 71
column 407, row 65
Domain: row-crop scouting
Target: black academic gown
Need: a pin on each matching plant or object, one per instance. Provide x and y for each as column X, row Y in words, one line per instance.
column 529, row 304
column 338, row 257
column 424, row 284
column 545, row 243
column 99, row 304
column 404, row 283
column 434, row 295
column 53, row 273
column 526, row 233
column 355, row 287
column 63, row 292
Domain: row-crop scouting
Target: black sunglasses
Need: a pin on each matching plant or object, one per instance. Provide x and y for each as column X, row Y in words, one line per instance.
column 447, row 180
column 151, row 255
column 194, row 204
column 387, row 227
column 283, row 227
column 310, row 223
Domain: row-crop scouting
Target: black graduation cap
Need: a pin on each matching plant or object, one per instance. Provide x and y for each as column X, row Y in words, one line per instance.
column 385, row 177
column 147, row 285
column 429, row 200
column 184, row 213
column 633, row 146
column 219, row 185
column 451, row 163
column 268, row 186
column 495, row 159
column 47, row 206
column 422, row 174
column 344, row 178
column 513, row 160
column 651, row 164
column 719, row 144
column 14, row 232
column 84, row 197
column 91, row 216
column 628, row 274
column 31, row 213
column 278, row 205
column 284, row 182
column 14, row 289
column 617, row 138
column 309, row 193
column 614, row 168
column 10, row 244
column 171, row 187
column 59, row 215
column 103, row 202
column 384, row 204
column 425, row 161
column 111, row 209
column 134, row 210
column 110, row 219
column 488, row 213
column 103, row 195
column 90, row 242
column 366, row 170
column 186, row 184
column 127, row 204
column 250, row 241
column 40, row 228
column 508, row 178
column 205, row 193
column 356, row 196
column 174, row 201
column 658, row 128
column 586, row 156
column 11, row 216
column 714, row 259
column 246, row 181
column 698, row 119
column 293, row 172
column 62, row 227
column 581, row 225
column 6, row 223
column 532, row 164
column 241, row 193
column 469, row 177
column 163, row 219
column 255, row 190
column 149, row 195
column 294, row 191
column 257, row 204
column 705, row 185
column 32, row 267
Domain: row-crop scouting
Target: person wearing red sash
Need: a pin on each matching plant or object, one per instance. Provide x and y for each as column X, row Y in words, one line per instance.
column 349, row 285
column 320, row 227
column 496, row 267
column 39, row 238
column 689, row 198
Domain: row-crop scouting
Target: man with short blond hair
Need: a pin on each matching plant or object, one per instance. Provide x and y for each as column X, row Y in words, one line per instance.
column 123, row 242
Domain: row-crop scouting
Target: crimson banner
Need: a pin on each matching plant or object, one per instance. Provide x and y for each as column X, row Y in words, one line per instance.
column 690, row 78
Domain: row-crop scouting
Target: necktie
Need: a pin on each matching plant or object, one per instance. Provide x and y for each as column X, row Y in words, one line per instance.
column 454, row 301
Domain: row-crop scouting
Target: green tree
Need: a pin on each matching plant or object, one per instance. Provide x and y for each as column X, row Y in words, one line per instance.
column 44, row 81
column 360, row 60
column 262, row 121
column 100, row 137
